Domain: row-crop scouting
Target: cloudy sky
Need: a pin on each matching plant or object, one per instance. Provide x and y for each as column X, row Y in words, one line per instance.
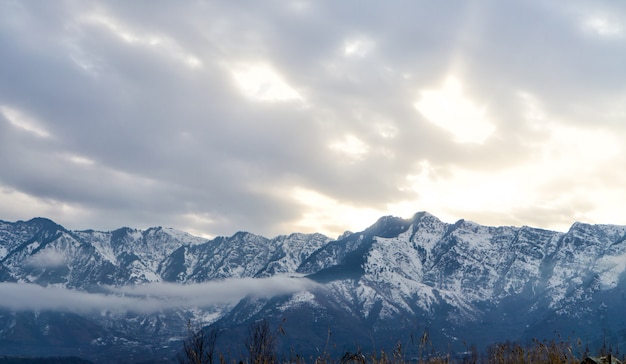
column 281, row 116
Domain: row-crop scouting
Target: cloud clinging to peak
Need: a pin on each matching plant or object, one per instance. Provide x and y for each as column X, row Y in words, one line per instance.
column 147, row 298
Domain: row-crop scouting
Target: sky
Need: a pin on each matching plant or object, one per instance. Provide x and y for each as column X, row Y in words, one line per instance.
column 312, row 116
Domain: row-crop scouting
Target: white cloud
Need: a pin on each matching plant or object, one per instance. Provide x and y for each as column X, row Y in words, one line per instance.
column 260, row 82
column 358, row 47
column 80, row 160
column 165, row 45
column 451, row 110
column 386, row 130
column 351, row 146
column 23, row 206
column 47, row 258
column 609, row 270
column 604, row 26
column 24, row 122
column 572, row 158
column 146, row 298
column 330, row 216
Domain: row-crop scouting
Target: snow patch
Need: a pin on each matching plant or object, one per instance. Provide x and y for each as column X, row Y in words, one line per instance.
column 184, row 237
column 299, row 299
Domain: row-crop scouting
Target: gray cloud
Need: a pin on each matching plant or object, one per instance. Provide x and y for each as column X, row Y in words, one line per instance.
column 146, row 124
column 46, row 259
column 148, row 298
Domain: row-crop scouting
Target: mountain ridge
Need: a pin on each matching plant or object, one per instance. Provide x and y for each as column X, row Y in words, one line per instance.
column 398, row 277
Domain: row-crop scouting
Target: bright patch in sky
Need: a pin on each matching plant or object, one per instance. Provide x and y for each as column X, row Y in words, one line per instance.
column 604, row 26
column 324, row 213
column 351, row 146
column 116, row 28
column 80, row 160
column 532, row 185
column 577, row 148
column 192, row 61
column 22, row 204
column 198, row 220
column 24, row 122
column 262, row 83
column 167, row 46
column 386, row 130
column 451, row 110
column 359, row 47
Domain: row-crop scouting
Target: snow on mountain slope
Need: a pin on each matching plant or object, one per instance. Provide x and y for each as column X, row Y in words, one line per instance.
column 42, row 252
column 457, row 279
column 241, row 255
column 14, row 234
column 150, row 246
column 40, row 248
column 92, row 262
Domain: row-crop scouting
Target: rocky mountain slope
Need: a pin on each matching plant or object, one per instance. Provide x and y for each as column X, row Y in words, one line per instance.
column 128, row 294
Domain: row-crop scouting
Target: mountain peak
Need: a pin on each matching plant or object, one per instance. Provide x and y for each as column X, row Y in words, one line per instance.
column 44, row 222
column 388, row 226
column 463, row 281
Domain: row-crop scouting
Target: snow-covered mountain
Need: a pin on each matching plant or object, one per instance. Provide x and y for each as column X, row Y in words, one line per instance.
column 130, row 292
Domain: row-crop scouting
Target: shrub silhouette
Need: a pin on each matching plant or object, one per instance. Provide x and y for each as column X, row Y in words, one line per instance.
column 260, row 345
column 199, row 346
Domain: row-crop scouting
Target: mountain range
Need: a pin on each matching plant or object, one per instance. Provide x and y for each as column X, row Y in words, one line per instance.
column 127, row 295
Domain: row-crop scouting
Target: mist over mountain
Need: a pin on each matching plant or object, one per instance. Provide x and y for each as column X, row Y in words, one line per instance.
column 126, row 295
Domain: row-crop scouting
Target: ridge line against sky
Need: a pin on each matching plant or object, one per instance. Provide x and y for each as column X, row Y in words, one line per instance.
column 312, row 116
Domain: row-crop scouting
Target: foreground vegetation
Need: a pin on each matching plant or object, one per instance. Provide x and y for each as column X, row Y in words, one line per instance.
column 260, row 344
column 51, row 360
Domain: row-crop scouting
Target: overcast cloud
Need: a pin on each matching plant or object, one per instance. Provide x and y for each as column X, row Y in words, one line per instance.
column 283, row 116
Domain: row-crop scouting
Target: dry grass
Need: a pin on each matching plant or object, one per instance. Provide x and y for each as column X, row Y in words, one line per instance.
column 261, row 347
column 538, row 352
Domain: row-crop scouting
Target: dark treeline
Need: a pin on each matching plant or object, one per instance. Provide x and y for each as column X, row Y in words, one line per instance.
column 51, row 360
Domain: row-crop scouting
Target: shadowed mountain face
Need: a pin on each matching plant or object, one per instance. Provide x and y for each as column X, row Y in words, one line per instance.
column 132, row 291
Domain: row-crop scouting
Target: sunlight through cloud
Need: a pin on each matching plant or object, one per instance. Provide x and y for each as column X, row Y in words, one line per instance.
column 451, row 110
column 23, row 122
column 262, row 83
column 19, row 205
column 528, row 187
column 604, row 27
column 351, row 146
column 80, row 160
column 329, row 216
column 386, row 130
column 359, row 47
column 162, row 43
